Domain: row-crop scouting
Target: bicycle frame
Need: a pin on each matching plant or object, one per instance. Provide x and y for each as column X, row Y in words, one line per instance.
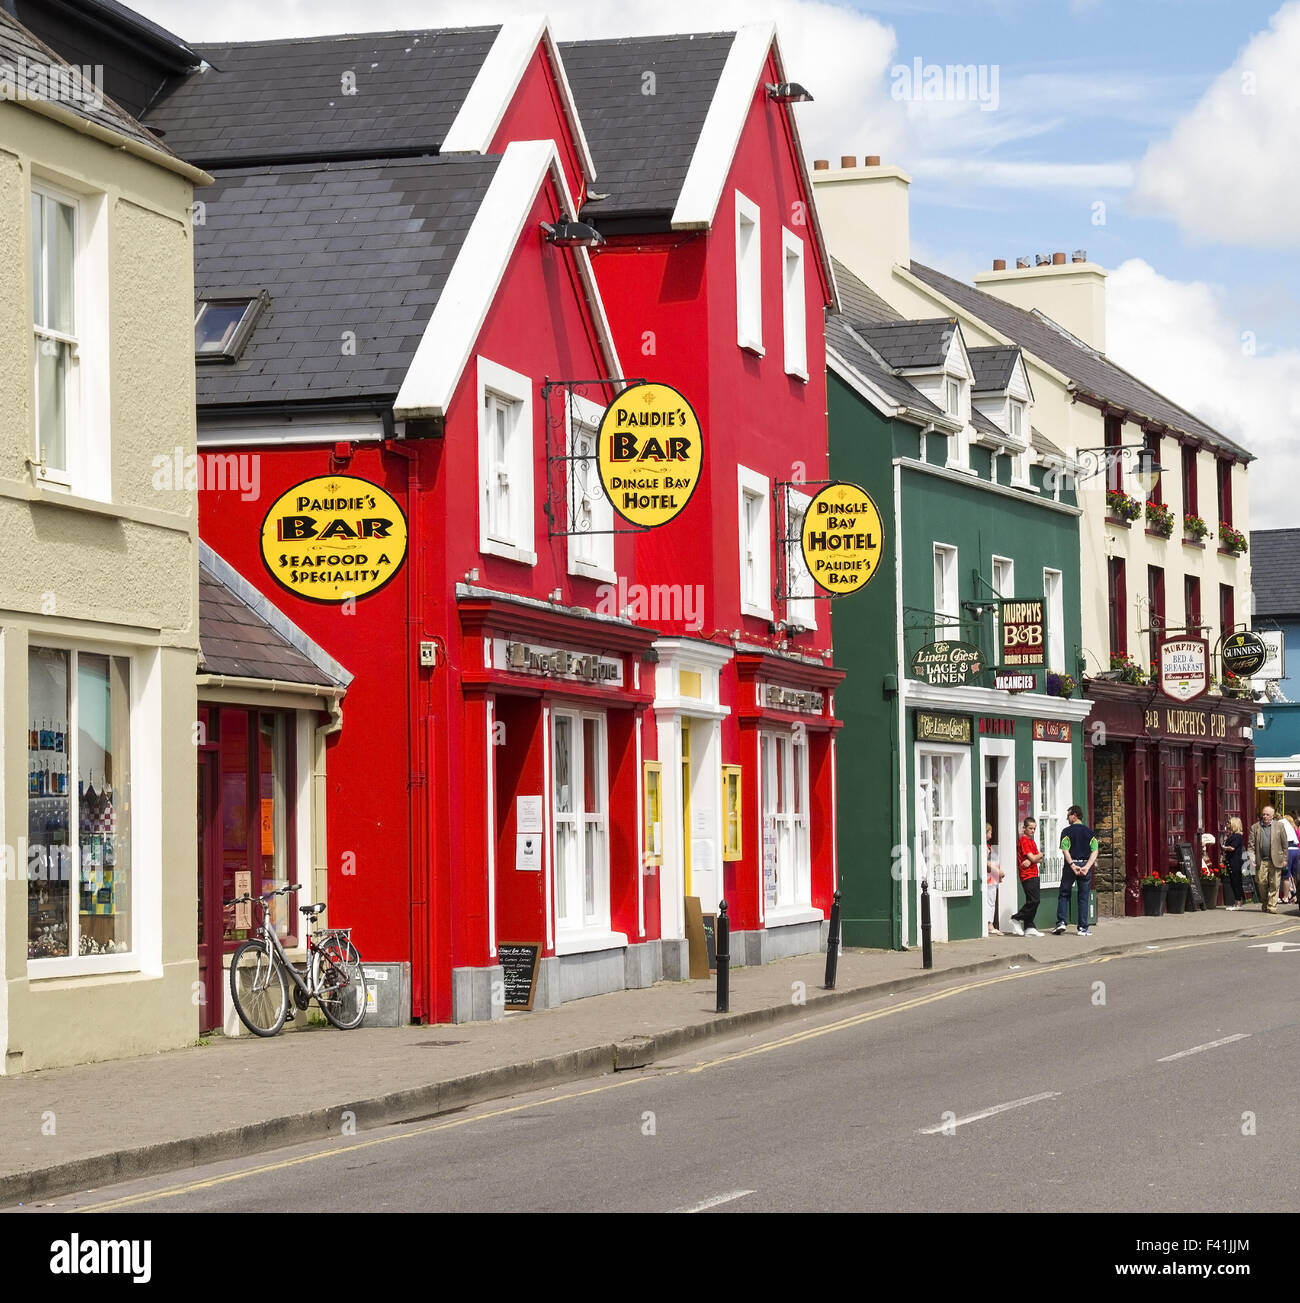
column 303, row 981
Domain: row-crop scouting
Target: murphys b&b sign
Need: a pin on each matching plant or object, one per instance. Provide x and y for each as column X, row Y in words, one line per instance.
column 650, row 452
column 841, row 539
column 333, row 539
column 1023, row 635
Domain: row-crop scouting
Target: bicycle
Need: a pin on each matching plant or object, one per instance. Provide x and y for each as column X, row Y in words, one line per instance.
column 261, row 973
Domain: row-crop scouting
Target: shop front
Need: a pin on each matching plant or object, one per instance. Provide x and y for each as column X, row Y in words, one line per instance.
column 1161, row 773
column 1277, row 783
column 547, row 851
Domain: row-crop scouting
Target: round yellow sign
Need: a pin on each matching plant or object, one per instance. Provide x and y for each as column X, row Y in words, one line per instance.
column 842, row 539
column 651, row 453
column 334, row 538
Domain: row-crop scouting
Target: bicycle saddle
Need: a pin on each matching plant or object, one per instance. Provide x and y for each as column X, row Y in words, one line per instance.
column 311, row 909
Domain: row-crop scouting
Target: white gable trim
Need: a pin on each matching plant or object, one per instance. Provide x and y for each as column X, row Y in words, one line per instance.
column 711, row 162
column 480, row 115
column 453, row 330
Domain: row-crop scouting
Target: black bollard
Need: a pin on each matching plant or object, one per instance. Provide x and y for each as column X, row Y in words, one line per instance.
column 927, row 951
column 833, row 943
column 722, row 944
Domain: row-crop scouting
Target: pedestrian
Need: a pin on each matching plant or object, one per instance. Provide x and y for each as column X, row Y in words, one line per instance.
column 1234, row 848
column 1267, row 844
column 1287, row 895
column 1028, row 858
column 1079, row 846
column 993, row 875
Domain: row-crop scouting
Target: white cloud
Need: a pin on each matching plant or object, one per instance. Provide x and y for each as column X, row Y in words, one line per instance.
column 985, row 172
column 1184, row 340
column 1227, row 171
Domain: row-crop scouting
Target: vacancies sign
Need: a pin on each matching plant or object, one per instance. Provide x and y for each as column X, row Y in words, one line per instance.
column 650, row 452
column 333, row 539
column 841, row 540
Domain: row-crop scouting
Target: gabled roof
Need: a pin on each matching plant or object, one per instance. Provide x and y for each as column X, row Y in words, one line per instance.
column 20, row 48
column 1090, row 371
column 858, row 301
column 994, row 366
column 1275, row 571
column 912, row 345
column 281, row 101
column 364, row 247
column 643, row 143
column 242, row 634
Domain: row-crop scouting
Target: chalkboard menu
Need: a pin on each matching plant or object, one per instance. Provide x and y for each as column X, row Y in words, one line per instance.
column 1184, row 852
column 518, row 960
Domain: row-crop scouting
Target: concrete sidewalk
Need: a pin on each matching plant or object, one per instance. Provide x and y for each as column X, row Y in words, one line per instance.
column 134, row 1117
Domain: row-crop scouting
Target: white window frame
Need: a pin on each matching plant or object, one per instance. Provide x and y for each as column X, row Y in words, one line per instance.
column 508, row 386
column 591, row 931
column 1058, row 756
column 88, row 453
column 591, row 554
column 959, row 880
column 1003, row 577
column 1054, row 609
column 755, row 551
column 952, row 395
column 947, row 611
column 801, row 605
column 749, row 276
column 793, row 305
column 790, row 827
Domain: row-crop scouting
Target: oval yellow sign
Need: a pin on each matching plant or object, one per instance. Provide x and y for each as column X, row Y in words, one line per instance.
column 334, row 538
column 841, row 540
column 651, row 453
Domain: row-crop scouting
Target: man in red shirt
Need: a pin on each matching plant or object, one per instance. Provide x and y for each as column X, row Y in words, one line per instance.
column 1028, row 858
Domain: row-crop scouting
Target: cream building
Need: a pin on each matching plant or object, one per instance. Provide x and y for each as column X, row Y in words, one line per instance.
column 98, row 575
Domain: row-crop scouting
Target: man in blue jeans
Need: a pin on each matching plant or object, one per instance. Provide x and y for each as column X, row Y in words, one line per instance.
column 1079, row 846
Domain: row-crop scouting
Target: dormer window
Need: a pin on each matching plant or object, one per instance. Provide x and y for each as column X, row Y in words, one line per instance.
column 1018, row 421
column 222, row 327
column 952, row 397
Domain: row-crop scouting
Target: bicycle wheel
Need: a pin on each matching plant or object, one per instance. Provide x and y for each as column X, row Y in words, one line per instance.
column 340, row 983
column 258, row 988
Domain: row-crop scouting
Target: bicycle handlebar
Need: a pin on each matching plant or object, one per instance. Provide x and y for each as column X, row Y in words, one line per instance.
column 266, row 895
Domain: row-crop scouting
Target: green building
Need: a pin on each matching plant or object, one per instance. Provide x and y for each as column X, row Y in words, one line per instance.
column 936, row 743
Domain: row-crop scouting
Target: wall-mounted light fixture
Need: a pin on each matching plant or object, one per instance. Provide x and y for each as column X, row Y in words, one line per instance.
column 572, row 235
column 787, row 92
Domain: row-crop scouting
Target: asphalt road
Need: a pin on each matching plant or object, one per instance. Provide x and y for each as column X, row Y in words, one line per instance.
column 1164, row 1081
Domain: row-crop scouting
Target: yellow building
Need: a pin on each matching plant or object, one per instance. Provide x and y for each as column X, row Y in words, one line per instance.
column 98, row 574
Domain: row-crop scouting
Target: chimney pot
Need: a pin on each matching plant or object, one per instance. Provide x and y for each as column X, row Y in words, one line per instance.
column 999, row 264
column 1021, row 263
column 1079, row 255
column 821, row 164
column 1058, row 260
column 871, row 160
column 1042, row 259
column 848, row 160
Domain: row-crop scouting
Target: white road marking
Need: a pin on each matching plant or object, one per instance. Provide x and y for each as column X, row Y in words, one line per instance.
column 714, row 1202
column 989, row 1112
column 1276, row 947
column 1210, row 1045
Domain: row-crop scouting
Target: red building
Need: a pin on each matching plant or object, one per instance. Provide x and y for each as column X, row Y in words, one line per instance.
column 383, row 307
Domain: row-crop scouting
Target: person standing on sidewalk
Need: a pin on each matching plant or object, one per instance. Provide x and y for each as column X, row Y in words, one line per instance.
column 1268, row 845
column 1028, row 858
column 1234, row 848
column 1288, row 892
column 1079, row 846
column 993, row 876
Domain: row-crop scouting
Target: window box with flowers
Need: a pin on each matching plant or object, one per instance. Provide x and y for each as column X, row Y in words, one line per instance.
column 1060, row 685
column 1129, row 670
column 1121, row 506
column 1154, row 888
column 1160, row 519
column 1230, row 539
column 1194, row 529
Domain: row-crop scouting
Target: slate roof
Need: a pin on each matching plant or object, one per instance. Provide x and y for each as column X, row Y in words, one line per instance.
column 908, row 344
column 642, row 144
column 121, row 16
column 244, row 635
column 1091, row 371
column 17, row 43
column 1275, row 571
column 858, row 301
column 278, row 101
column 358, row 246
column 993, row 366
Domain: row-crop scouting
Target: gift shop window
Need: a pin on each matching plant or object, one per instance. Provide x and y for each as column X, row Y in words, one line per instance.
column 1050, row 804
column 942, row 776
column 580, row 800
column 78, row 807
column 787, row 871
column 256, row 831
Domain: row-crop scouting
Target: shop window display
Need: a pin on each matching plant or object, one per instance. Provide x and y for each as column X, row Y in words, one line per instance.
column 78, row 831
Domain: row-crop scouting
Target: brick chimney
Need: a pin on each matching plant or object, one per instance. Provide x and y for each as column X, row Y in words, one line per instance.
column 1072, row 292
column 864, row 214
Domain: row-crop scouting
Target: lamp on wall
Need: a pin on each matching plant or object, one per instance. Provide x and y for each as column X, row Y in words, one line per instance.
column 787, row 92
column 572, row 235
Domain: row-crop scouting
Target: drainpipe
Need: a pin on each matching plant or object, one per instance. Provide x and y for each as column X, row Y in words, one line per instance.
column 900, row 719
